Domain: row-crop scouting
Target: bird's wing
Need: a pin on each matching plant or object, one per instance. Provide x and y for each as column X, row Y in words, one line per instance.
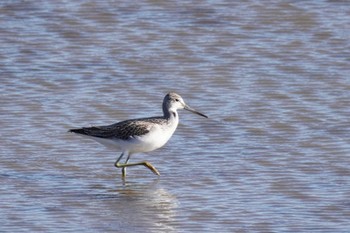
column 121, row 130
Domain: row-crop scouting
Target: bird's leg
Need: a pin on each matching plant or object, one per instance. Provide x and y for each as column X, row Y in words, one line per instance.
column 144, row 163
column 118, row 165
column 124, row 165
column 117, row 162
column 124, row 168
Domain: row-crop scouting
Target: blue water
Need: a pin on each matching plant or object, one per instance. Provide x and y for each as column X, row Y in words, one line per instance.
column 272, row 77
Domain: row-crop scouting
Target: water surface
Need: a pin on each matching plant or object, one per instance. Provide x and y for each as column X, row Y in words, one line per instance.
column 272, row 77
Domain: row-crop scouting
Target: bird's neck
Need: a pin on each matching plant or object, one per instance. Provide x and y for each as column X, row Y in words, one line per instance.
column 173, row 118
column 170, row 114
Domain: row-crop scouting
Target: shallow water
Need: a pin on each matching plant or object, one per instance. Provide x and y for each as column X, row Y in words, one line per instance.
column 273, row 78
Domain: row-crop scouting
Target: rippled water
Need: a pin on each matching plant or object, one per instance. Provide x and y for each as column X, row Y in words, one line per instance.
column 272, row 77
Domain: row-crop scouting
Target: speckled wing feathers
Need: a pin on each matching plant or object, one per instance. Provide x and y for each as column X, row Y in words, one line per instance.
column 122, row 130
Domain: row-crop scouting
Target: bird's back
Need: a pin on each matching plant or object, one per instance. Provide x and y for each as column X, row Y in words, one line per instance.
column 123, row 130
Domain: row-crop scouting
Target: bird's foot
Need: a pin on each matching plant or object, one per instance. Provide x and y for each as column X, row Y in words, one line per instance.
column 151, row 167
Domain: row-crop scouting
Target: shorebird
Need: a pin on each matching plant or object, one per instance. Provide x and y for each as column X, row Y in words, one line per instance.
column 140, row 135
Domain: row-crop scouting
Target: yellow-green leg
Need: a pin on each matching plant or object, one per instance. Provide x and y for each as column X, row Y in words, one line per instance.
column 126, row 164
column 124, row 168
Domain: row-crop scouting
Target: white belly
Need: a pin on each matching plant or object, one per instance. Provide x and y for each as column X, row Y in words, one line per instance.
column 156, row 138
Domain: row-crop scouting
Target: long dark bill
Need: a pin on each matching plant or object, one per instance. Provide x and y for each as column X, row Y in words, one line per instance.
column 188, row 108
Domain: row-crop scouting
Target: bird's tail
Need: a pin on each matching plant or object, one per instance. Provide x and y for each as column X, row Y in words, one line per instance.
column 80, row 131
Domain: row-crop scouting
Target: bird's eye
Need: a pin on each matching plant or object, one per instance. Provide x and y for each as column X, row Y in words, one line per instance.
column 177, row 100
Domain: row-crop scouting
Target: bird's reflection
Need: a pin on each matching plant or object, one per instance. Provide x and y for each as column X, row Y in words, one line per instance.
column 143, row 206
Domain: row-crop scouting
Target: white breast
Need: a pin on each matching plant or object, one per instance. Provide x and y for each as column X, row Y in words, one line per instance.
column 156, row 138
